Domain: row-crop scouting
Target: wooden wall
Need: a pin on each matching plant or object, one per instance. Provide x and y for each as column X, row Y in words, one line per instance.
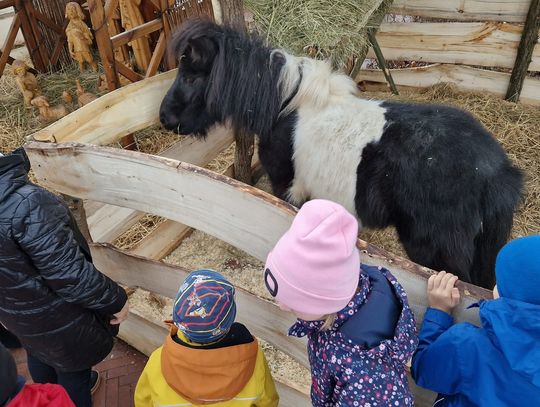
column 482, row 34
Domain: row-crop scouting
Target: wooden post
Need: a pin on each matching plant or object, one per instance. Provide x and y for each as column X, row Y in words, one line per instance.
column 524, row 55
column 29, row 37
column 99, row 23
column 233, row 14
column 381, row 60
column 374, row 23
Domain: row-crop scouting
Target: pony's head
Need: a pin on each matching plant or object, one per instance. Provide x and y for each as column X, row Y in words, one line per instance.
column 223, row 75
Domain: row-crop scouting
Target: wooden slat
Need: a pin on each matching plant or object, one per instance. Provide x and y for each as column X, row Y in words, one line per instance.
column 465, row 78
column 162, row 241
column 157, row 56
column 106, row 53
column 29, row 7
column 29, row 38
column 464, row 10
column 47, row 21
column 6, row 3
column 482, row 44
column 138, row 32
column 109, row 222
column 127, row 72
column 8, row 43
column 114, row 115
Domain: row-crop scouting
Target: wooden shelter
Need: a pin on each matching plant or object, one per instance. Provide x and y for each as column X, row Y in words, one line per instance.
column 69, row 157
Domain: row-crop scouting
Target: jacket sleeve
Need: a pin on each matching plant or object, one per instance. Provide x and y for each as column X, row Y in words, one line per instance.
column 436, row 362
column 269, row 396
column 42, row 228
column 143, row 397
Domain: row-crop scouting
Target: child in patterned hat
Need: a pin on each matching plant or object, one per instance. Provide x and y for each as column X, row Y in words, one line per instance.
column 359, row 326
column 207, row 358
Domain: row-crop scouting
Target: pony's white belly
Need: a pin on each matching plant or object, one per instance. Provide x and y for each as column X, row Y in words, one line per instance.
column 328, row 148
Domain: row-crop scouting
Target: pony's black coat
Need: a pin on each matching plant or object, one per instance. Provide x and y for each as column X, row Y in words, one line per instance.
column 435, row 173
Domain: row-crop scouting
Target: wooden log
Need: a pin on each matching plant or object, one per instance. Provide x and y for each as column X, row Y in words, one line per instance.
column 113, row 115
column 526, row 48
column 466, row 78
column 106, row 53
column 482, row 44
column 512, row 11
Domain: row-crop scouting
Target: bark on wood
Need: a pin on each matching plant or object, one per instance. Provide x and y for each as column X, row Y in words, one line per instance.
column 528, row 41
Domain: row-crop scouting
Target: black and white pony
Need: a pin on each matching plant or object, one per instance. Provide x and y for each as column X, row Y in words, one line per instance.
column 432, row 171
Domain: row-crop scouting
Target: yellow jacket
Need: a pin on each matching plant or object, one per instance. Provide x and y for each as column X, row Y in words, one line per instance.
column 186, row 374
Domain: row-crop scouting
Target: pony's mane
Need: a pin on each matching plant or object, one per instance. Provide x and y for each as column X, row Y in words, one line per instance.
column 249, row 82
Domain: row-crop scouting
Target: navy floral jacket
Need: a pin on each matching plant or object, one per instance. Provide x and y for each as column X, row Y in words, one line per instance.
column 347, row 370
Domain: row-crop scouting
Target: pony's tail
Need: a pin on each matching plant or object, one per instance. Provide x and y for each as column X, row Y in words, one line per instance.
column 500, row 200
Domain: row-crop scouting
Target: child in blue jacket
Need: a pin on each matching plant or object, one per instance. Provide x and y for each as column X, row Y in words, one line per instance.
column 497, row 364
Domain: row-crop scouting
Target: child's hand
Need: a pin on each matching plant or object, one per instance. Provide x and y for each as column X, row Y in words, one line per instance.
column 442, row 294
column 121, row 315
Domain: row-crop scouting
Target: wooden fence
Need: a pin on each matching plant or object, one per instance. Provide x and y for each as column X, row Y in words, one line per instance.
column 483, row 34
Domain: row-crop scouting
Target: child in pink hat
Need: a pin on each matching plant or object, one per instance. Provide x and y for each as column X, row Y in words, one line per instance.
column 360, row 329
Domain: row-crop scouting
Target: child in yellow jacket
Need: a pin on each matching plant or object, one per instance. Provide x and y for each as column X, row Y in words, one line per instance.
column 207, row 358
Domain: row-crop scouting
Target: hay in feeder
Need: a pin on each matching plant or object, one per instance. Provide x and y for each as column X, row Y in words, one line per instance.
column 325, row 29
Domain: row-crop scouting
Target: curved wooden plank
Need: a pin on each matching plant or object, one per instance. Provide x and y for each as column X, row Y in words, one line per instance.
column 241, row 215
column 113, row 115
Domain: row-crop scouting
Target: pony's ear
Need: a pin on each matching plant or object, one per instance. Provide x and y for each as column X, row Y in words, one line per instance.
column 196, row 44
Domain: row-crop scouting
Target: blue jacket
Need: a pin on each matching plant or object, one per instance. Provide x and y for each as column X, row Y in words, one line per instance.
column 360, row 360
column 495, row 365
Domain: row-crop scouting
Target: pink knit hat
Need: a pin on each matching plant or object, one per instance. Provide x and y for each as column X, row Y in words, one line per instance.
column 315, row 266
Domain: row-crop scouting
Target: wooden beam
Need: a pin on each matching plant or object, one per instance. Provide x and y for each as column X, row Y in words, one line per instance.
column 529, row 39
column 108, row 222
column 9, row 41
column 113, row 115
column 106, row 53
column 481, row 44
column 138, row 32
column 29, row 37
column 513, row 11
column 157, row 56
column 466, row 78
column 6, row 3
column 162, row 241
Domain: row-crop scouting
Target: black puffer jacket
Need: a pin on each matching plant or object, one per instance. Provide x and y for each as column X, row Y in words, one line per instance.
column 51, row 295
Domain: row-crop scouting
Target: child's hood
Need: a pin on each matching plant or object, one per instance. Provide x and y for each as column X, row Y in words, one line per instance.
column 514, row 328
column 205, row 376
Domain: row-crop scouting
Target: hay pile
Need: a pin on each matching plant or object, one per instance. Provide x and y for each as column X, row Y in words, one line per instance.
column 322, row 28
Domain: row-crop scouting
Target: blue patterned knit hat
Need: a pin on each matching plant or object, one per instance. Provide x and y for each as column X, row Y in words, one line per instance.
column 204, row 308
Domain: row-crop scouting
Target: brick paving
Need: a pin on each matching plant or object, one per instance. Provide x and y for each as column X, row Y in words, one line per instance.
column 119, row 374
